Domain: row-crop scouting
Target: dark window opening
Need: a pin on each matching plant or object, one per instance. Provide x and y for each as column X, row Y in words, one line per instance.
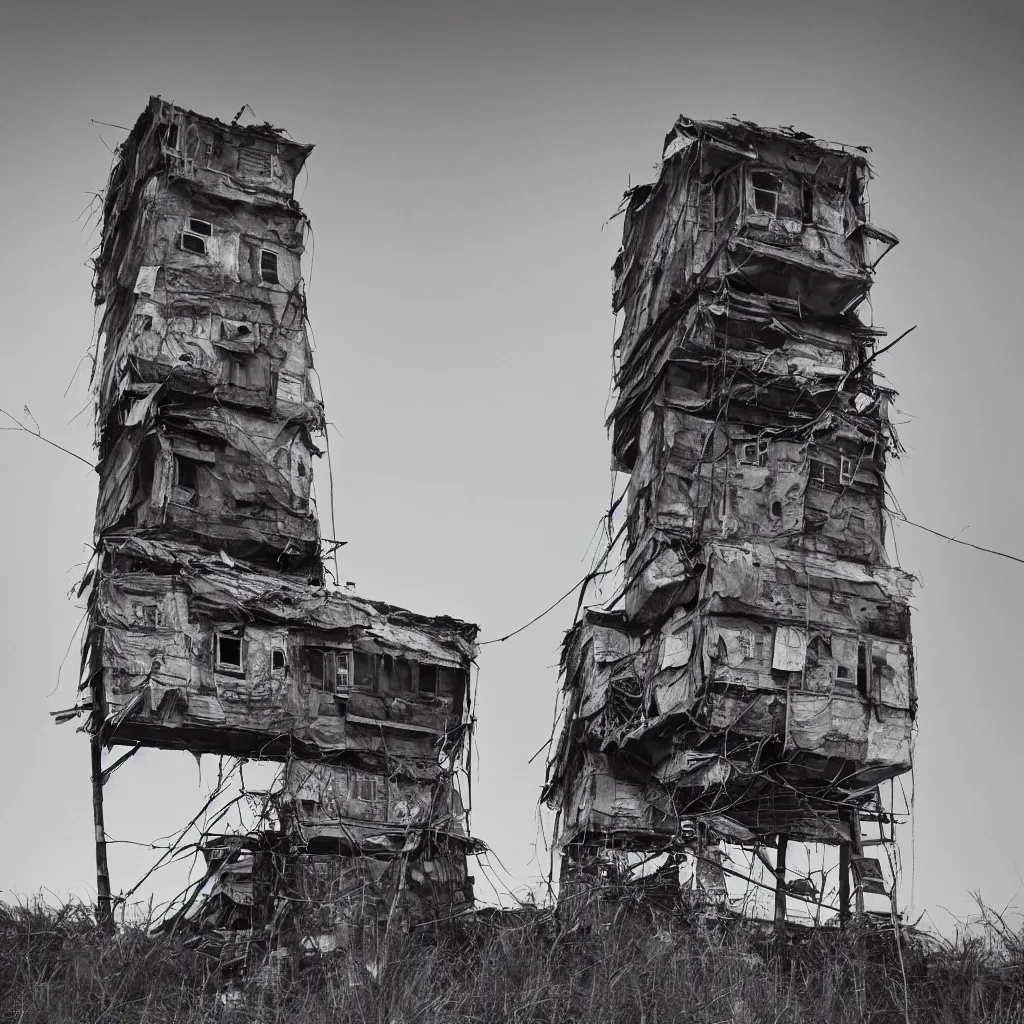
column 186, row 479
column 428, row 679
column 229, row 653
column 766, row 192
column 807, row 203
column 168, row 134
column 823, row 474
column 151, row 614
column 403, row 675
column 365, row 671
column 771, row 337
column 243, row 331
column 277, row 660
column 777, row 509
column 447, row 681
column 193, row 243
column 862, row 669
column 315, row 667
column 268, row 267
column 328, row 670
column 301, row 469
column 200, row 227
column 878, row 666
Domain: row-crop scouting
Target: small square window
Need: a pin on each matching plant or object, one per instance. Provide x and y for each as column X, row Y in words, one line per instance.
column 200, row 227
column 151, row 615
column 845, row 470
column 191, row 242
column 277, row 660
column 753, row 453
column 364, row 787
column 268, row 267
column 823, row 474
column 229, row 653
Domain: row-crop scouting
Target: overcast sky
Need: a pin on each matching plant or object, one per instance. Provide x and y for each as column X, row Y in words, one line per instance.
column 467, row 158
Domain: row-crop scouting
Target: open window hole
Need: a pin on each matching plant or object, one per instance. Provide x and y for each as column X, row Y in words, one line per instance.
column 268, row 267
column 229, row 652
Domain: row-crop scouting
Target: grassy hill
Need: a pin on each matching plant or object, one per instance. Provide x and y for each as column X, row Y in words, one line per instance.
column 641, row 965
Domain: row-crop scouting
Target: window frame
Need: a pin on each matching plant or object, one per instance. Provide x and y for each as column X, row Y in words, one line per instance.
column 169, row 136
column 203, row 236
column 760, row 455
column 190, row 497
column 431, row 670
column 756, row 190
column 335, row 661
column 276, row 270
column 226, row 667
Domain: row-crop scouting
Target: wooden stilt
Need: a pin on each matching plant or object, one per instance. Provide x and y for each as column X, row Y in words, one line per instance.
column 857, row 850
column 104, row 903
column 780, row 886
column 844, row 884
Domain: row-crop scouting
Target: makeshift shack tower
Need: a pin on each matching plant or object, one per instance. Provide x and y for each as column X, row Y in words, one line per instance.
column 210, row 628
column 757, row 684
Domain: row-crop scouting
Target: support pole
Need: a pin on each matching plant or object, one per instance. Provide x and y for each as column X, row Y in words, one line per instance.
column 104, row 904
column 857, row 850
column 844, row 884
column 780, row 886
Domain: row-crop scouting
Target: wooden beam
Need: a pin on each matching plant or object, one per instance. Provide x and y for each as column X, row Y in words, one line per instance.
column 844, row 884
column 780, row 886
column 857, row 850
column 104, row 903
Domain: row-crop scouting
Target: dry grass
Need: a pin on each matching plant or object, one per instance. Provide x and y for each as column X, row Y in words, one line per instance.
column 55, row 967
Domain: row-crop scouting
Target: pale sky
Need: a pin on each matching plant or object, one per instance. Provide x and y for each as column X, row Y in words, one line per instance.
column 467, row 158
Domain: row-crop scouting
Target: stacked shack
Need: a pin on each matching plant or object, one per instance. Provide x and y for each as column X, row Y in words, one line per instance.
column 757, row 683
column 210, row 626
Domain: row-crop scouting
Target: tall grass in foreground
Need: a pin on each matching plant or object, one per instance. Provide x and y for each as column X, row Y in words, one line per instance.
column 56, row 967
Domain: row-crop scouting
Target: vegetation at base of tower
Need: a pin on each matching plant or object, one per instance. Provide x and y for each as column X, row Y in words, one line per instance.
column 57, row 967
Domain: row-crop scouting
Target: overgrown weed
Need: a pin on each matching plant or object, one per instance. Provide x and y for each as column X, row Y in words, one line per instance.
column 56, row 967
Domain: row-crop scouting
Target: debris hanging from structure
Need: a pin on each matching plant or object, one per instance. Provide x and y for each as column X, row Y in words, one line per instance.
column 758, row 683
column 210, row 626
